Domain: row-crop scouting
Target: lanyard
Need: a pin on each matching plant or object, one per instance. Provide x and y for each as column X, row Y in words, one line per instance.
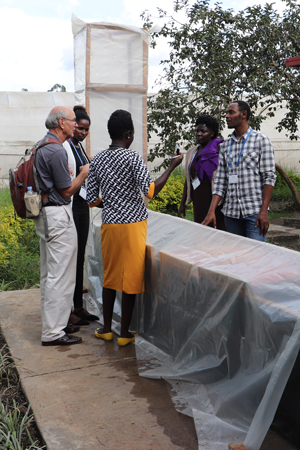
column 77, row 152
column 192, row 162
column 238, row 161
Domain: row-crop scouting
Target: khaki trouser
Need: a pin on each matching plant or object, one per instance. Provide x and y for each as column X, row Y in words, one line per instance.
column 58, row 269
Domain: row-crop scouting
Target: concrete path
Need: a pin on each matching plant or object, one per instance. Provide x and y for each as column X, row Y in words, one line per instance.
column 284, row 229
column 89, row 396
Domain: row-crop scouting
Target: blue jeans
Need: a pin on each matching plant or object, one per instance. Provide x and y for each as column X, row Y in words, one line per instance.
column 244, row 227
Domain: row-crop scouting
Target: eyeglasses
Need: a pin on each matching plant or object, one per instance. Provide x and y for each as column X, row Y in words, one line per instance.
column 70, row 120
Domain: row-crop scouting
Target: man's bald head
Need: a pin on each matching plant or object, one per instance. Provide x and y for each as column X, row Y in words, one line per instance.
column 52, row 121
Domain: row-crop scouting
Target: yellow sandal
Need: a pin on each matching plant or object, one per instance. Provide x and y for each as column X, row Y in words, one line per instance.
column 105, row 336
column 125, row 341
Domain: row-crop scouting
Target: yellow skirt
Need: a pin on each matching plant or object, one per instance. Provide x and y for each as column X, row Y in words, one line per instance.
column 123, row 253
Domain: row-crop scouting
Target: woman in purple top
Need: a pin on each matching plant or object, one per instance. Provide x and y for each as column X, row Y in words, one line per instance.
column 201, row 163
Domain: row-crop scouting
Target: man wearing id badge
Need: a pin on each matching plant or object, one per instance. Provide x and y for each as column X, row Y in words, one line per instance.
column 245, row 177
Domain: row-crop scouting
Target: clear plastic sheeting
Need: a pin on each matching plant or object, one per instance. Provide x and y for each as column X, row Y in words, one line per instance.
column 103, row 104
column 118, row 62
column 79, row 63
column 111, row 72
column 78, row 25
column 219, row 320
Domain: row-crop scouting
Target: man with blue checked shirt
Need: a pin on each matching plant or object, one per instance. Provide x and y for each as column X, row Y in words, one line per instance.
column 245, row 177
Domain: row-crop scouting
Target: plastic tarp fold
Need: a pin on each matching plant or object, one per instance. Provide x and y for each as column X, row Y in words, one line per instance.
column 219, row 320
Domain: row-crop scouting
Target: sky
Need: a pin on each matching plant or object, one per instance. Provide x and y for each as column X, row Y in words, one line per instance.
column 37, row 41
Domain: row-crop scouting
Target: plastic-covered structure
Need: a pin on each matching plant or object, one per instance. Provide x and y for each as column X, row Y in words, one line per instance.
column 111, row 72
column 22, row 122
column 219, row 320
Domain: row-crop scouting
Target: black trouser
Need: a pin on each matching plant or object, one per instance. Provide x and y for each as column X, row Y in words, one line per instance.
column 82, row 222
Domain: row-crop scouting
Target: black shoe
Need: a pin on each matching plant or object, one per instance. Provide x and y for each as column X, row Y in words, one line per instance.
column 65, row 340
column 77, row 320
column 71, row 328
column 82, row 314
column 82, row 322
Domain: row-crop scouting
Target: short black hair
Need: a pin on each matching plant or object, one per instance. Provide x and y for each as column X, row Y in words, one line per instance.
column 119, row 122
column 81, row 114
column 210, row 122
column 243, row 106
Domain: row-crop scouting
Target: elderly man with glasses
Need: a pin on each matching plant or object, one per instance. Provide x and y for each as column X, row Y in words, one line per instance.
column 58, row 246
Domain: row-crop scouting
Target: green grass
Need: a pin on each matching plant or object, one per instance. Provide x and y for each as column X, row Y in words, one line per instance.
column 14, row 422
column 19, row 249
column 281, row 193
column 189, row 215
column 277, row 215
column 5, row 199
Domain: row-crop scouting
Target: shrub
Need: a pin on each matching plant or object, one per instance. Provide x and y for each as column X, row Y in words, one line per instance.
column 294, row 177
column 168, row 199
column 281, row 191
column 19, row 248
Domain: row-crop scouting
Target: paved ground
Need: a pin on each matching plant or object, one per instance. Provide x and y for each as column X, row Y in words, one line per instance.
column 278, row 225
column 90, row 396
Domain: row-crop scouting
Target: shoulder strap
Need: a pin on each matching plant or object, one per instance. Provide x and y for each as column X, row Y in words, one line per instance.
column 48, row 140
column 45, row 196
column 41, row 144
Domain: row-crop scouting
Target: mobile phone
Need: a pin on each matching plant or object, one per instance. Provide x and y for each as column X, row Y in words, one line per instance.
column 177, row 149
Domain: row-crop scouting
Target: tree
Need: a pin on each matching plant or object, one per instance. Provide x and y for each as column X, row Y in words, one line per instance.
column 217, row 56
column 58, row 88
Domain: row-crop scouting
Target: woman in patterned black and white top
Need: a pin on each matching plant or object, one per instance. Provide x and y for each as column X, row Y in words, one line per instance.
column 121, row 174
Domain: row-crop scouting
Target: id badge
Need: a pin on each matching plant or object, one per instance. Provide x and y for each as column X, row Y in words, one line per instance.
column 82, row 192
column 233, row 178
column 196, row 183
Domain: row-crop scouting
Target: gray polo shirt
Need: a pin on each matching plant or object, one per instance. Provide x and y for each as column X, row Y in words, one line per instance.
column 53, row 171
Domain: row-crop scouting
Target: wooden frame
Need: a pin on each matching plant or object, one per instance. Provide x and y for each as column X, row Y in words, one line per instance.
column 145, row 102
column 87, row 81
